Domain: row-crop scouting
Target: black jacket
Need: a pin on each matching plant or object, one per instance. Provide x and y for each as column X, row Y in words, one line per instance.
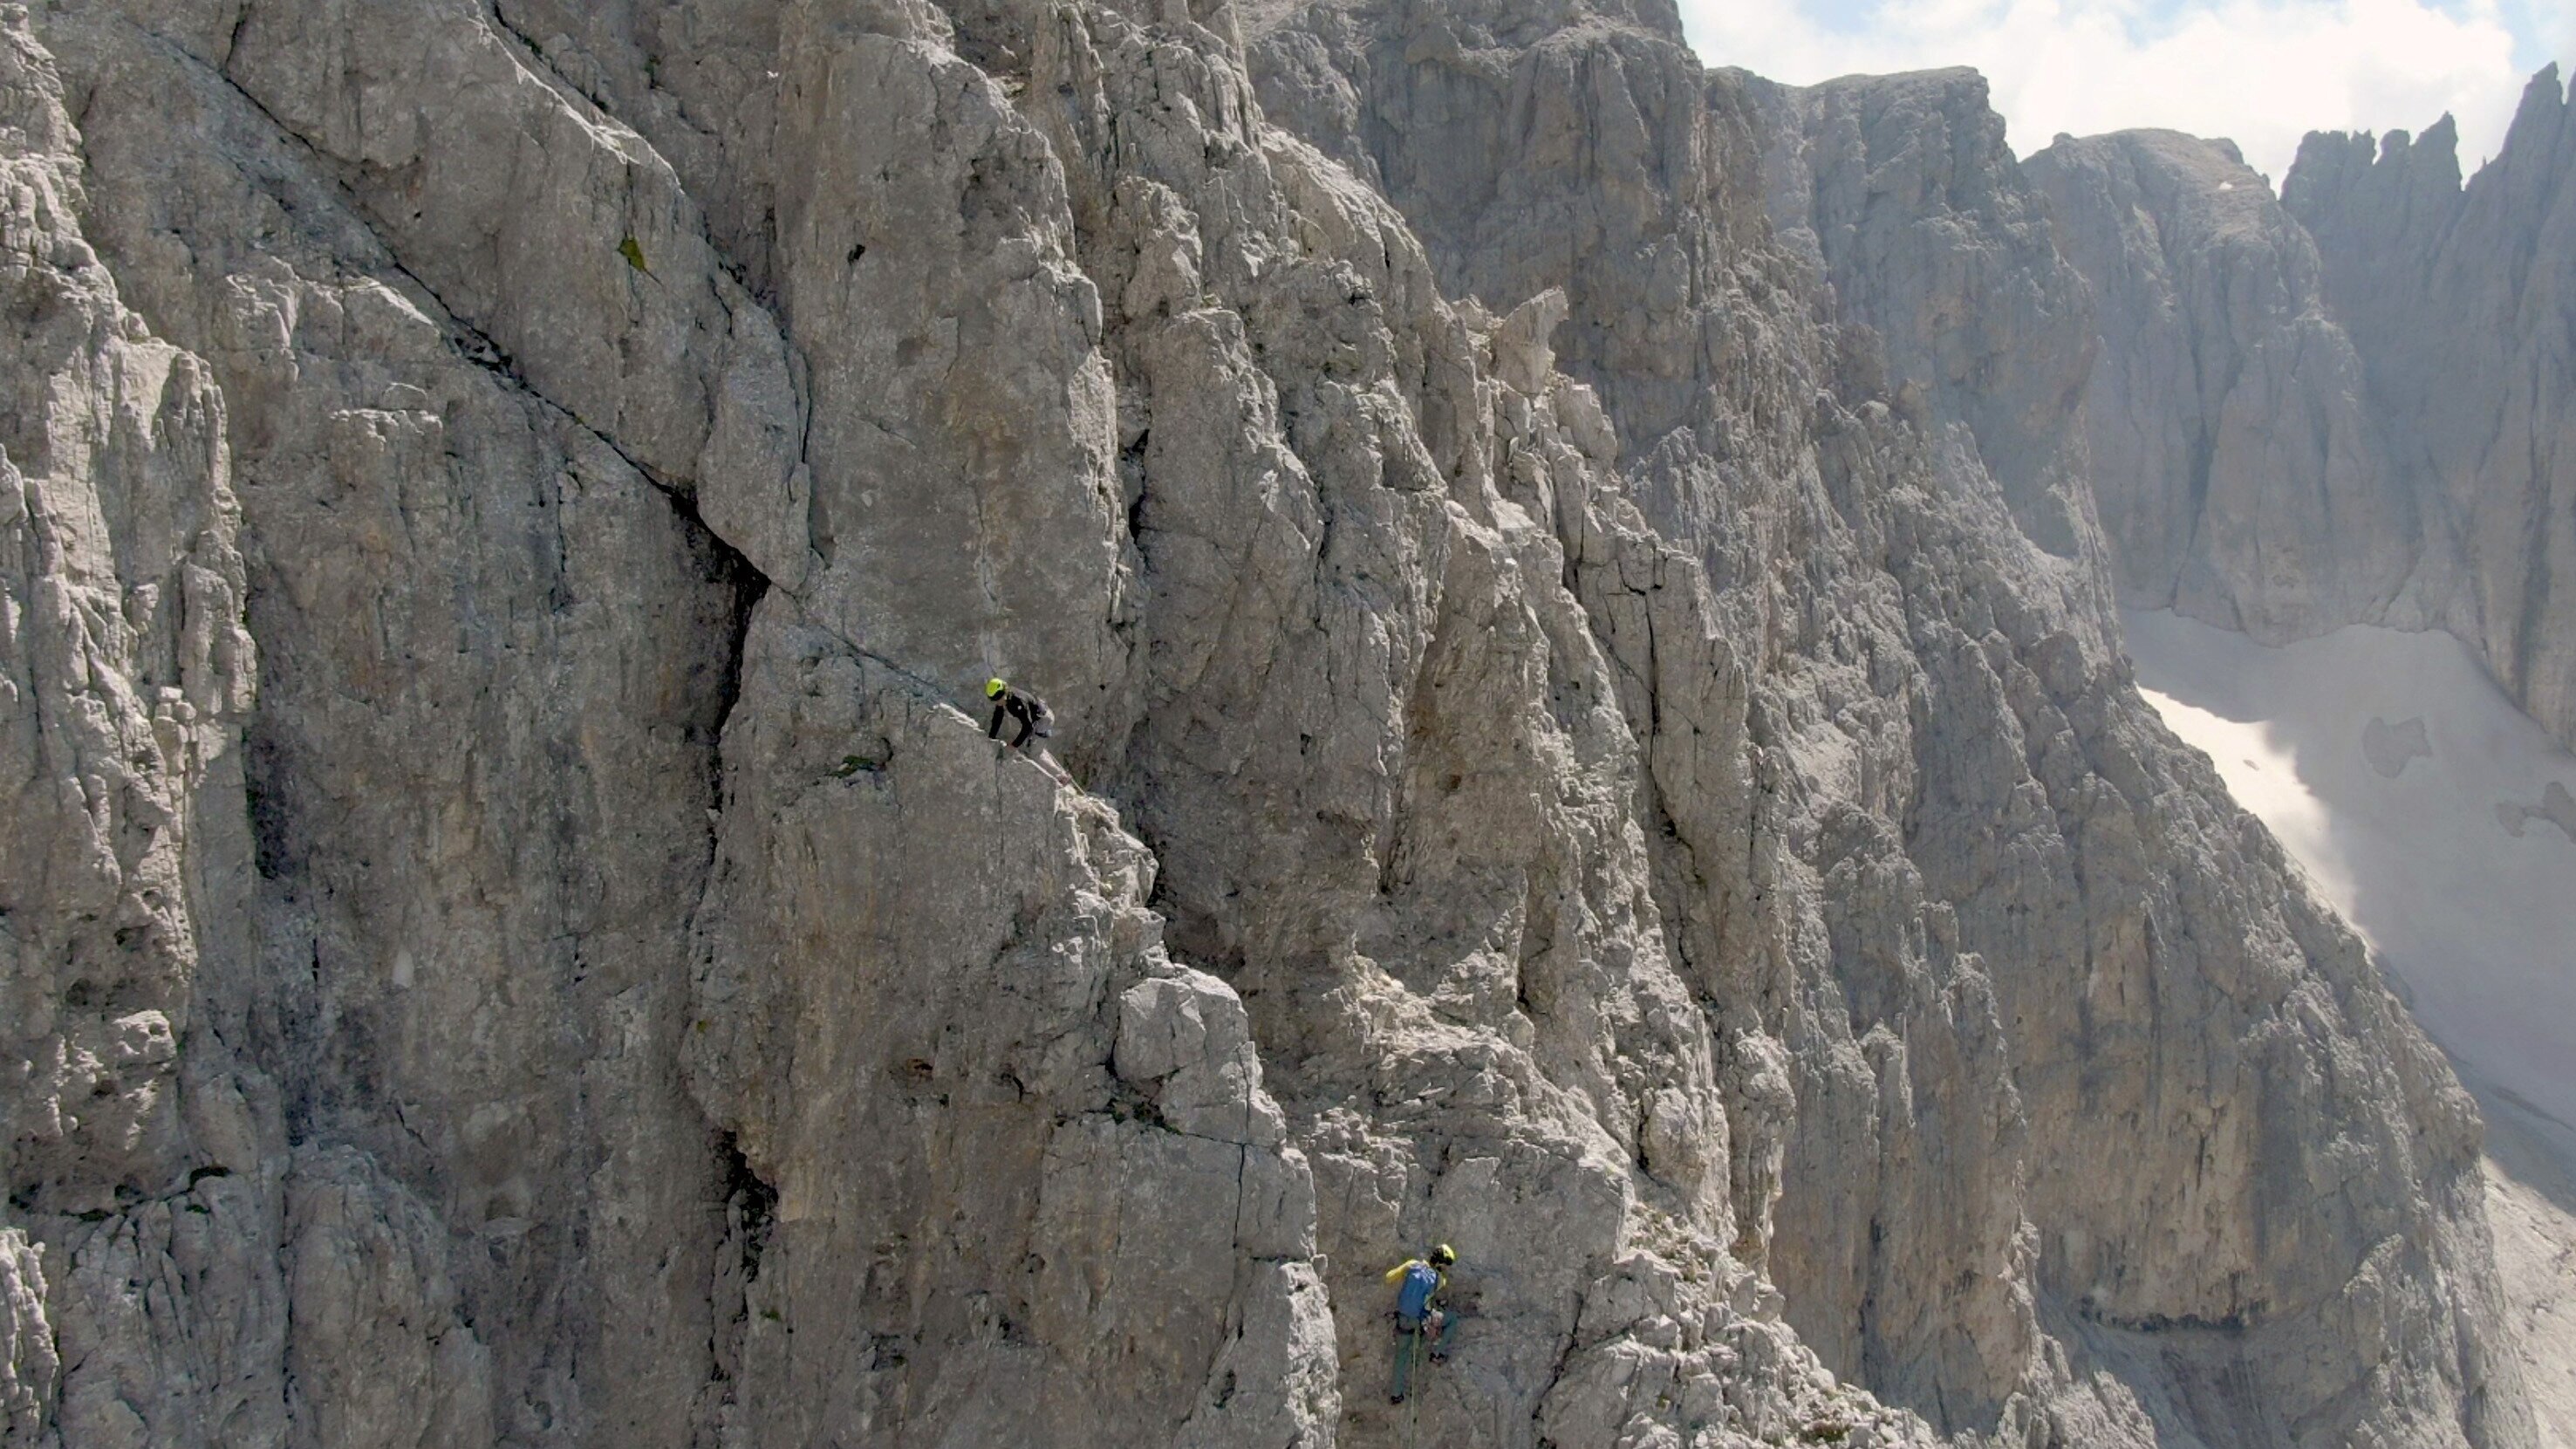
column 1027, row 709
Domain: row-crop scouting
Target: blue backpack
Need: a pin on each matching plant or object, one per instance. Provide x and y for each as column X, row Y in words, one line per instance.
column 1413, row 1298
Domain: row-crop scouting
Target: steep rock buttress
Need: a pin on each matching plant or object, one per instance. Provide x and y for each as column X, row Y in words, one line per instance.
column 1582, row 765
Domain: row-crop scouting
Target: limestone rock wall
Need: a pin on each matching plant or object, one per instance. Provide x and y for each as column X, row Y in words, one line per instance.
column 1009, row 1171
column 1904, row 810
column 2340, row 405
column 2239, row 460
column 2458, row 299
column 1900, row 192
column 513, row 942
column 127, row 676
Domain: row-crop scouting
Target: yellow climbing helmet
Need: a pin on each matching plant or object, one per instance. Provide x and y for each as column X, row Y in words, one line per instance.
column 1444, row 1255
column 993, row 687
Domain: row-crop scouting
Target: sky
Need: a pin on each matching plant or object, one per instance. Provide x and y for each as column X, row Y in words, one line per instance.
column 2261, row 72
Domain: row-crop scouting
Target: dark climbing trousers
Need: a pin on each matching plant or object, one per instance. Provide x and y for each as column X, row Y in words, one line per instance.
column 1422, row 1338
column 1025, row 710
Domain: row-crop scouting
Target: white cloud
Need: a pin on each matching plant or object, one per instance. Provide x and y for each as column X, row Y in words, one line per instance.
column 2558, row 33
column 2261, row 72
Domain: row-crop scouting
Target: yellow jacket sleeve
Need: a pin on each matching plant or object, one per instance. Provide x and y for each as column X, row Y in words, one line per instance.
column 1397, row 1272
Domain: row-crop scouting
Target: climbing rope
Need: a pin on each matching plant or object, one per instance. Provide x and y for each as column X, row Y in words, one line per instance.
column 936, row 692
column 1413, row 1385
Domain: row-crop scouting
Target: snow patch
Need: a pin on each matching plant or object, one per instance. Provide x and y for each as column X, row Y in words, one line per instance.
column 2432, row 813
column 2437, row 818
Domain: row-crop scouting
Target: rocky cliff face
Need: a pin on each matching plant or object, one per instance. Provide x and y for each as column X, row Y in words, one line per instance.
column 2238, row 459
column 2458, row 299
column 1898, row 191
column 1595, row 752
column 2344, row 405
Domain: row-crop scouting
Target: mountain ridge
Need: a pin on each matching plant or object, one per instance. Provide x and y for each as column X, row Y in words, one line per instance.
column 1607, row 745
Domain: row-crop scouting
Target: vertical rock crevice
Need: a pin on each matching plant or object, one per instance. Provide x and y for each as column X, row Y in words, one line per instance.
column 1664, row 826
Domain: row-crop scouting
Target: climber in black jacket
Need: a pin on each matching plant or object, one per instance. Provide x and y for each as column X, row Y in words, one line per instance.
column 1015, row 704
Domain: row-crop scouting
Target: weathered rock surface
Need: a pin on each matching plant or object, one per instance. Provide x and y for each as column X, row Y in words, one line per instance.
column 2238, row 461
column 2459, row 300
column 1574, row 772
column 1900, row 192
column 2531, row 1203
column 1924, row 697
column 2345, row 405
column 1025, row 1158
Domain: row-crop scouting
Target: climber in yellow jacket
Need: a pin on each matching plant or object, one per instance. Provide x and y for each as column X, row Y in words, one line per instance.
column 1420, row 1314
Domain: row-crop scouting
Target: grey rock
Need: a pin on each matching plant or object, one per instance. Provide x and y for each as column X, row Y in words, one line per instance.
column 2332, row 407
column 990, row 1120
column 2557, row 806
column 1566, row 769
column 29, row 1363
column 2240, row 465
column 467, row 594
column 2456, row 298
column 1902, row 194
column 1875, row 941
column 2389, row 747
column 380, row 1356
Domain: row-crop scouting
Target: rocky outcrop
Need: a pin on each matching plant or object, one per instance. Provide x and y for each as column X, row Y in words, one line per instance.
column 2344, row 405
column 978, row 1110
column 2238, row 460
column 1900, row 192
column 1570, row 771
column 1923, row 696
column 2458, row 300
column 125, row 678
